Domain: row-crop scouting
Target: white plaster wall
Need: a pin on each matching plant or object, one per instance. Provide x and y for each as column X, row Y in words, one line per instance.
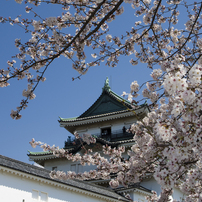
column 61, row 164
column 114, row 124
column 177, row 194
column 15, row 188
column 138, row 197
column 65, row 165
column 151, row 184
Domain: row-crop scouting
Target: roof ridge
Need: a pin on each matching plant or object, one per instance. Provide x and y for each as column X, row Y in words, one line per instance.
column 44, row 174
column 5, row 158
column 106, row 85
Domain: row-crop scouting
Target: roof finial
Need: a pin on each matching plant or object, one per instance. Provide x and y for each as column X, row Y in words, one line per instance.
column 106, row 85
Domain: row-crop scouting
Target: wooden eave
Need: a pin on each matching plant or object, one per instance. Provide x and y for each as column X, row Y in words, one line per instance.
column 71, row 124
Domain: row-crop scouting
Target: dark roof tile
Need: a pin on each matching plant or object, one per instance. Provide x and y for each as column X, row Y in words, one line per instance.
column 43, row 173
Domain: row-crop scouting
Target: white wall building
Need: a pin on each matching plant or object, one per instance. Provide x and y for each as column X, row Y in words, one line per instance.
column 108, row 120
column 22, row 182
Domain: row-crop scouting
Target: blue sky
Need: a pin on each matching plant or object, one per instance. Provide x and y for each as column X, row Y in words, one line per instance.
column 58, row 95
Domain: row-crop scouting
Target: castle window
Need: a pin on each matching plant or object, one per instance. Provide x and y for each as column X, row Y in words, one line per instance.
column 80, row 168
column 54, row 168
column 106, row 133
column 35, row 194
column 73, row 167
column 44, row 196
column 39, row 195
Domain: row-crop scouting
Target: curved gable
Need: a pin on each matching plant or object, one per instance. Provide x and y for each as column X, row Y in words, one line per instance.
column 106, row 103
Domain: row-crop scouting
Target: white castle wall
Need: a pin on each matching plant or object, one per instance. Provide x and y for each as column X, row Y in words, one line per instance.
column 66, row 165
column 14, row 188
column 116, row 124
column 151, row 184
column 95, row 128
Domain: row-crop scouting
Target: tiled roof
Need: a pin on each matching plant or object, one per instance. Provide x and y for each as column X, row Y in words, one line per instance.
column 120, row 106
column 39, row 153
column 78, row 147
column 89, row 117
column 98, row 116
column 43, row 173
column 107, row 91
column 135, row 186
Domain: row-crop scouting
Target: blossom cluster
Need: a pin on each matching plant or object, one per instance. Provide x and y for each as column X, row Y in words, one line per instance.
column 173, row 128
column 168, row 140
column 147, row 43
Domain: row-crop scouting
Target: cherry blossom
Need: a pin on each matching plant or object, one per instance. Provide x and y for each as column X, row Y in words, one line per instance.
column 167, row 38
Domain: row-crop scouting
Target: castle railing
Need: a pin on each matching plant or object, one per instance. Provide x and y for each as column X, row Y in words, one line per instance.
column 114, row 136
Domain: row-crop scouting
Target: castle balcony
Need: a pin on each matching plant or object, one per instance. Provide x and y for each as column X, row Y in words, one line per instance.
column 114, row 136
